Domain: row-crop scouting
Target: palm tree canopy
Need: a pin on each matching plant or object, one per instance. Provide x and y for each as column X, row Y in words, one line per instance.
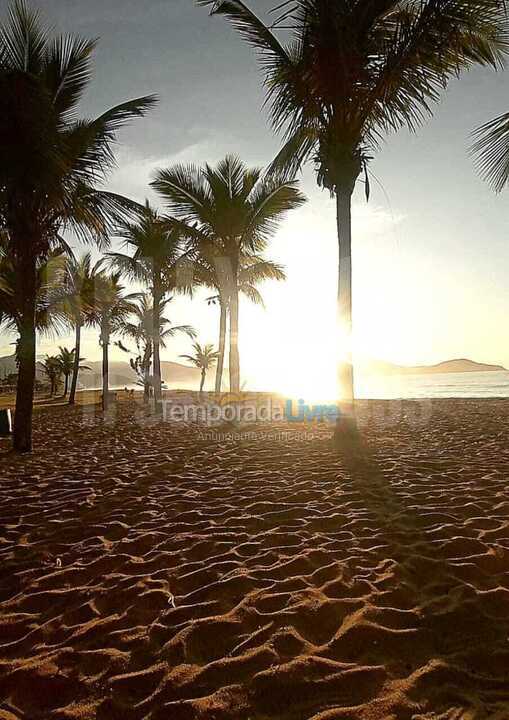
column 79, row 283
column 157, row 247
column 139, row 327
column 204, row 356
column 66, row 359
column 254, row 269
column 354, row 70
column 230, row 203
column 49, row 315
column 52, row 162
column 112, row 306
column 52, row 367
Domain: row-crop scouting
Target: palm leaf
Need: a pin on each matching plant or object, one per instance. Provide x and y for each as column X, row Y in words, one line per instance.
column 491, row 151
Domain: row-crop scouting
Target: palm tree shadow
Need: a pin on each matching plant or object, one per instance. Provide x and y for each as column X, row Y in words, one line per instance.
column 460, row 622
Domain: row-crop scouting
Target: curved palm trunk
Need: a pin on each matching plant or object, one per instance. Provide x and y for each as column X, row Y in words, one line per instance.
column 158, row 396
column 22, row 431
column 234, row 341
column 202, row 383
column 76, row 368
column 221, row 346
column 344, row 307
column 105, row 338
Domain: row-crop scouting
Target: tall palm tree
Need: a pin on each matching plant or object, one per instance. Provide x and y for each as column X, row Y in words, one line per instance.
column 352, row 71
column 229, row 210
column 111, row 309
column 79, row 284
column 52, row 164
column 139, row 329
column 254, row 269
column 158, row 261
column 204, row 358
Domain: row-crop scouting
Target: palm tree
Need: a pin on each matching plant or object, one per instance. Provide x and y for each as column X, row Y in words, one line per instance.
column 203, row 358
column 158, row 262
column 79, row 284
column 227, row 211
column 52, row 164
column 67, row 359
column 111, row 309
column 53, row 370
column 254, row 269
column 351, row 72
column 139, row 329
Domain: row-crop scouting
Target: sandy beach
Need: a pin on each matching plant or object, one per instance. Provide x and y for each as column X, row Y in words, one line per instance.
column 151, row 571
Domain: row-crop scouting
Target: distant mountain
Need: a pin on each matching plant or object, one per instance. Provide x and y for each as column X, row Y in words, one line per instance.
column 8, row 367
column 176, row 375
column 459, row 365
column 121, row 374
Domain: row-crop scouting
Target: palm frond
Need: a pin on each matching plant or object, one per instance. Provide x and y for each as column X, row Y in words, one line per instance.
column 270, row 201
column 249, row 26
column 491, row 151
column 23, row 41
column 90, row 142
column 184, row 191
column 185, row 329
column 68, row 70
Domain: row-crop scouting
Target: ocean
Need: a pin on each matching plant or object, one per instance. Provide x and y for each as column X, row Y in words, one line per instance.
column 439, row 385
column 388, row 387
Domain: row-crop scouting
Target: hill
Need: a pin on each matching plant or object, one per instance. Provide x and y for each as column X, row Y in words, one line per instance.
column 121, row 375
column 176, row 375
column 460, row 365
column 8, row 367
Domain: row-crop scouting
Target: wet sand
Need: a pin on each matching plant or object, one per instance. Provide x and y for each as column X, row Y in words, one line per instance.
column 156, row 572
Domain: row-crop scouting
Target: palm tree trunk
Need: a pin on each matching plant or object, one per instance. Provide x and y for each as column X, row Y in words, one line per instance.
column 344, row 307
column 76, row 368
column 222, row 343
column 146, row 373
column 66, row 384
column 105, row 368
column 22, row 432
column 202, row 383
column 234, row 341
column 156, row 321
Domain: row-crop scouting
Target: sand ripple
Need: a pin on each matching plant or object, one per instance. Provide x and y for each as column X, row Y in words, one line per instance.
column 148, row 572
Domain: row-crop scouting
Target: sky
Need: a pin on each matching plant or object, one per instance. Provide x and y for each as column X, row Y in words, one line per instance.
column 430, row 250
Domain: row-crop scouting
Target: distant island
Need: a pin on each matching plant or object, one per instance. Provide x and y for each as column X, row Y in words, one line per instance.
column 459, row 365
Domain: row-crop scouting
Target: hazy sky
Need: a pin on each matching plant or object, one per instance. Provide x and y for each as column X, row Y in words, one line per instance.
column 431, row 250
